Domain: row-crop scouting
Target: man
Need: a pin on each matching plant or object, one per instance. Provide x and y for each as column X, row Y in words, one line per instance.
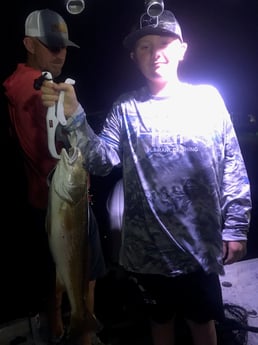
column 46, row 41
column 186, row 191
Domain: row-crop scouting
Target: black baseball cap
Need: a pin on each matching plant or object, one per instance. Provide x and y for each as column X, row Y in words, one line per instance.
column 164, row 25
column 49, row 27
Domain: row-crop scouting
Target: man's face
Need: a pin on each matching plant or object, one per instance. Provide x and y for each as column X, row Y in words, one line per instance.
column 158, row 56
column 51, row 60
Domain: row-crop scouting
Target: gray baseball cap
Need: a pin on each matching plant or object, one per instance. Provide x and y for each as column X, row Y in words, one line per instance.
column 164, row 25
column 49, row 27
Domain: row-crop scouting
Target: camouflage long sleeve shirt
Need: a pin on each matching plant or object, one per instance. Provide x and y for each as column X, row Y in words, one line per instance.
column 186, row 186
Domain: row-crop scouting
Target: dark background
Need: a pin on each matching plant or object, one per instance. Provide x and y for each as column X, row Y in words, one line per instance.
column 222, row 39
column 222, row 36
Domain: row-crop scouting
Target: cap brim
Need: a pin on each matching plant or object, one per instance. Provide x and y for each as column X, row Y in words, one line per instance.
column 133, row 37
column 57, row 42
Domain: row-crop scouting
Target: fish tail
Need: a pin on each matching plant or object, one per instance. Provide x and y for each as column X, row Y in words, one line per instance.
column 91, row 323
column 79, row 326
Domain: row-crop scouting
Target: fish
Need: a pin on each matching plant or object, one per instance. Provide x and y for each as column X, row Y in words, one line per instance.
column 67, row 228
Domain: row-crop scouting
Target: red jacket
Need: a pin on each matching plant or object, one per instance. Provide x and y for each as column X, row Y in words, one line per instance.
column 28, row 119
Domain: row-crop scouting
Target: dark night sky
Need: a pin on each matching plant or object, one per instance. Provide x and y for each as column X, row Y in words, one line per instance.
column 222, row 36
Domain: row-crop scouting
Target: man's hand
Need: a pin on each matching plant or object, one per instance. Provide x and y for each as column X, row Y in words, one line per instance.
column 233, row 251
column 50, row 94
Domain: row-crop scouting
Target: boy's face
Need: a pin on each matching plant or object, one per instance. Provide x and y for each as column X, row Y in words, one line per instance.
column 158, row 57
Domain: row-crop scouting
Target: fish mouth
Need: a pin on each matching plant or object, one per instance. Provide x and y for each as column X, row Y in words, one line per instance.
column 71, row 155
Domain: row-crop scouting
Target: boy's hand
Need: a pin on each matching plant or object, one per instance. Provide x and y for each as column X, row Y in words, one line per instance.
column 234, row 251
